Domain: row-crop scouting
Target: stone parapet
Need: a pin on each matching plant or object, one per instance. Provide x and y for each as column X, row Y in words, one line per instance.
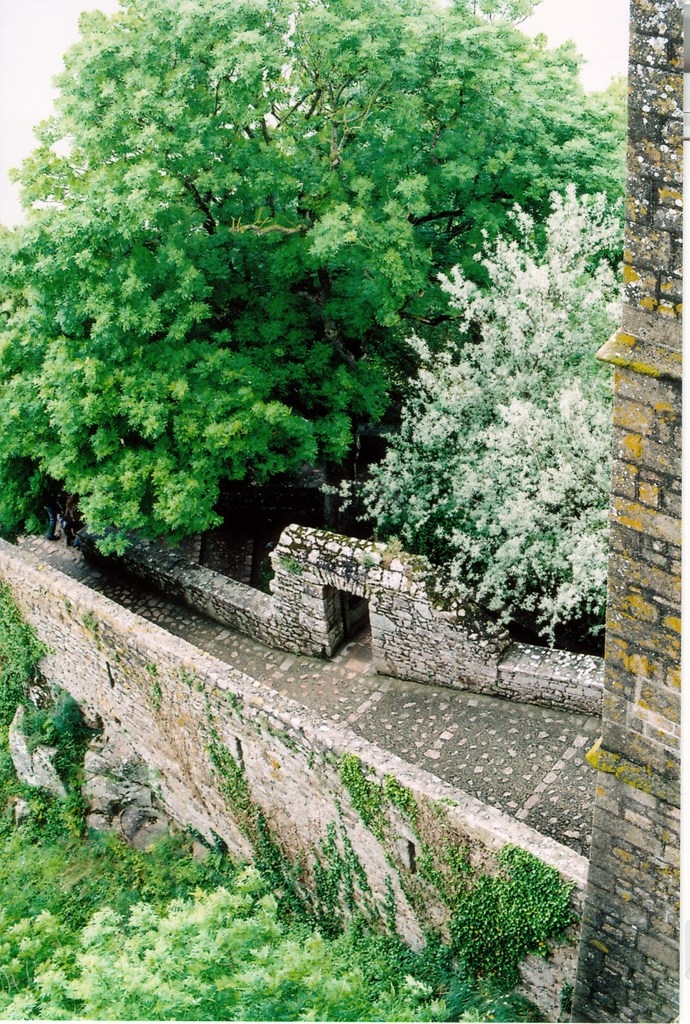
column 180, row 579
column 574, row 682
column 414, row 634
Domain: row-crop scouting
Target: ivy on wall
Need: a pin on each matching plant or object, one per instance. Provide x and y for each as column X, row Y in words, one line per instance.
column 496, row 920
column 367, row 797
column 335, row 884
column 501, row 918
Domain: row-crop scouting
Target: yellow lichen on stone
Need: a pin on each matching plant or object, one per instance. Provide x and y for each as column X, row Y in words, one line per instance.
column 613, row 764
column 591, row 758
column 649, row 494
column 638, row 665
column 635, row 606
column 632, row 524
column 673, row 678
column 633, row 442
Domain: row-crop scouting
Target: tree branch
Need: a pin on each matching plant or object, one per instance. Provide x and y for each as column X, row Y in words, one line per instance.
column 264, row 228
column 428, row 321
column 295, row 106
column 202, row 204
column 440, row 215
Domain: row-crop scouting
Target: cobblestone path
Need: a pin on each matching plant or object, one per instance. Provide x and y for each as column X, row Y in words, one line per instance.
column 526, row 760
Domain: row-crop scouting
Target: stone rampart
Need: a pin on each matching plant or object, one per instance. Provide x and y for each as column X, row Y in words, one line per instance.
column 323, row 582
column 174, row 704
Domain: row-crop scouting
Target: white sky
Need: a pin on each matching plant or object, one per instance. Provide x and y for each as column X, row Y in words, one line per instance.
column 34, row 34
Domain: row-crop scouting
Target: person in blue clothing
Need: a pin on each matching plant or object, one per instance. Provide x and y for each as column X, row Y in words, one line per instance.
column 66, row 514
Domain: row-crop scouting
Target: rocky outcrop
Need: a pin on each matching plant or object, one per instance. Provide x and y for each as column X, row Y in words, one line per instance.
column 117, row 789
column 33, row 766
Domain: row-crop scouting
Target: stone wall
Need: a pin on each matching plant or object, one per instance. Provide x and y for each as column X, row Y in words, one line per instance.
column 173, row 704
column 630, row 942
column 414, row 634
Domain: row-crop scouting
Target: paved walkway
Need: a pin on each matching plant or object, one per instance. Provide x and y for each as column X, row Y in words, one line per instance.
column 526, row 760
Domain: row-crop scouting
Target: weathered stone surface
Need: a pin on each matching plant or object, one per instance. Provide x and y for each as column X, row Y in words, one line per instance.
column 22, row 809
column 142, row 826
column 117, row 789
column 628, row 966
column 34, row 767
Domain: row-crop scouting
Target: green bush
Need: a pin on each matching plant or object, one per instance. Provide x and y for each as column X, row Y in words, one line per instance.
column 20, row 652
column 62, row 725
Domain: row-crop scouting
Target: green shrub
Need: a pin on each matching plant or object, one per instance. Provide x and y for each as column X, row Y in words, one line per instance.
column 20, row 652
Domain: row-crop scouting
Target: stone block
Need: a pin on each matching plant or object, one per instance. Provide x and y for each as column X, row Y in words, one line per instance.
column 661, row 701
column 631, row 387
column 627, row 572
column 624, row 479
column 634, row 416
column 657, row 90
column 655, row 18
column 665, row 953
column 651, row 51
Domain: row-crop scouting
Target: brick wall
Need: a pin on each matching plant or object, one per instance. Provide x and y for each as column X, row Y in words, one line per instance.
column 628, row 968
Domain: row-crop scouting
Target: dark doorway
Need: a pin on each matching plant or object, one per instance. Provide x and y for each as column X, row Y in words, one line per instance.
column 355, row 614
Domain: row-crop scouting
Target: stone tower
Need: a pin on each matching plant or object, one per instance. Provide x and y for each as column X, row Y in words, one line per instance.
column 629, row 955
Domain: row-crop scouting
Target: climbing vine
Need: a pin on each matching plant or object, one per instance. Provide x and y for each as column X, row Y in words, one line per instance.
column 191, row 679
column 366, row 795
column 233, row 784
column 339, row 885
column 90, row 623
column 155, row 693
column 503, row 917
column 401, row 797
column 496, row 920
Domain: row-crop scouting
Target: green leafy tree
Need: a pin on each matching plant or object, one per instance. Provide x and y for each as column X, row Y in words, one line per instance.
column 222, row 955
column 233, row 211
column 500, row 472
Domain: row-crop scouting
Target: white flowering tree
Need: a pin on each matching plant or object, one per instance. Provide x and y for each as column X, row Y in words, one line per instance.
column 500, row 471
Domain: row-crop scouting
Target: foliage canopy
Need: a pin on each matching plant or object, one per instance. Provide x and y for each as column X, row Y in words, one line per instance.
column 233, row 211
column 500, row 472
